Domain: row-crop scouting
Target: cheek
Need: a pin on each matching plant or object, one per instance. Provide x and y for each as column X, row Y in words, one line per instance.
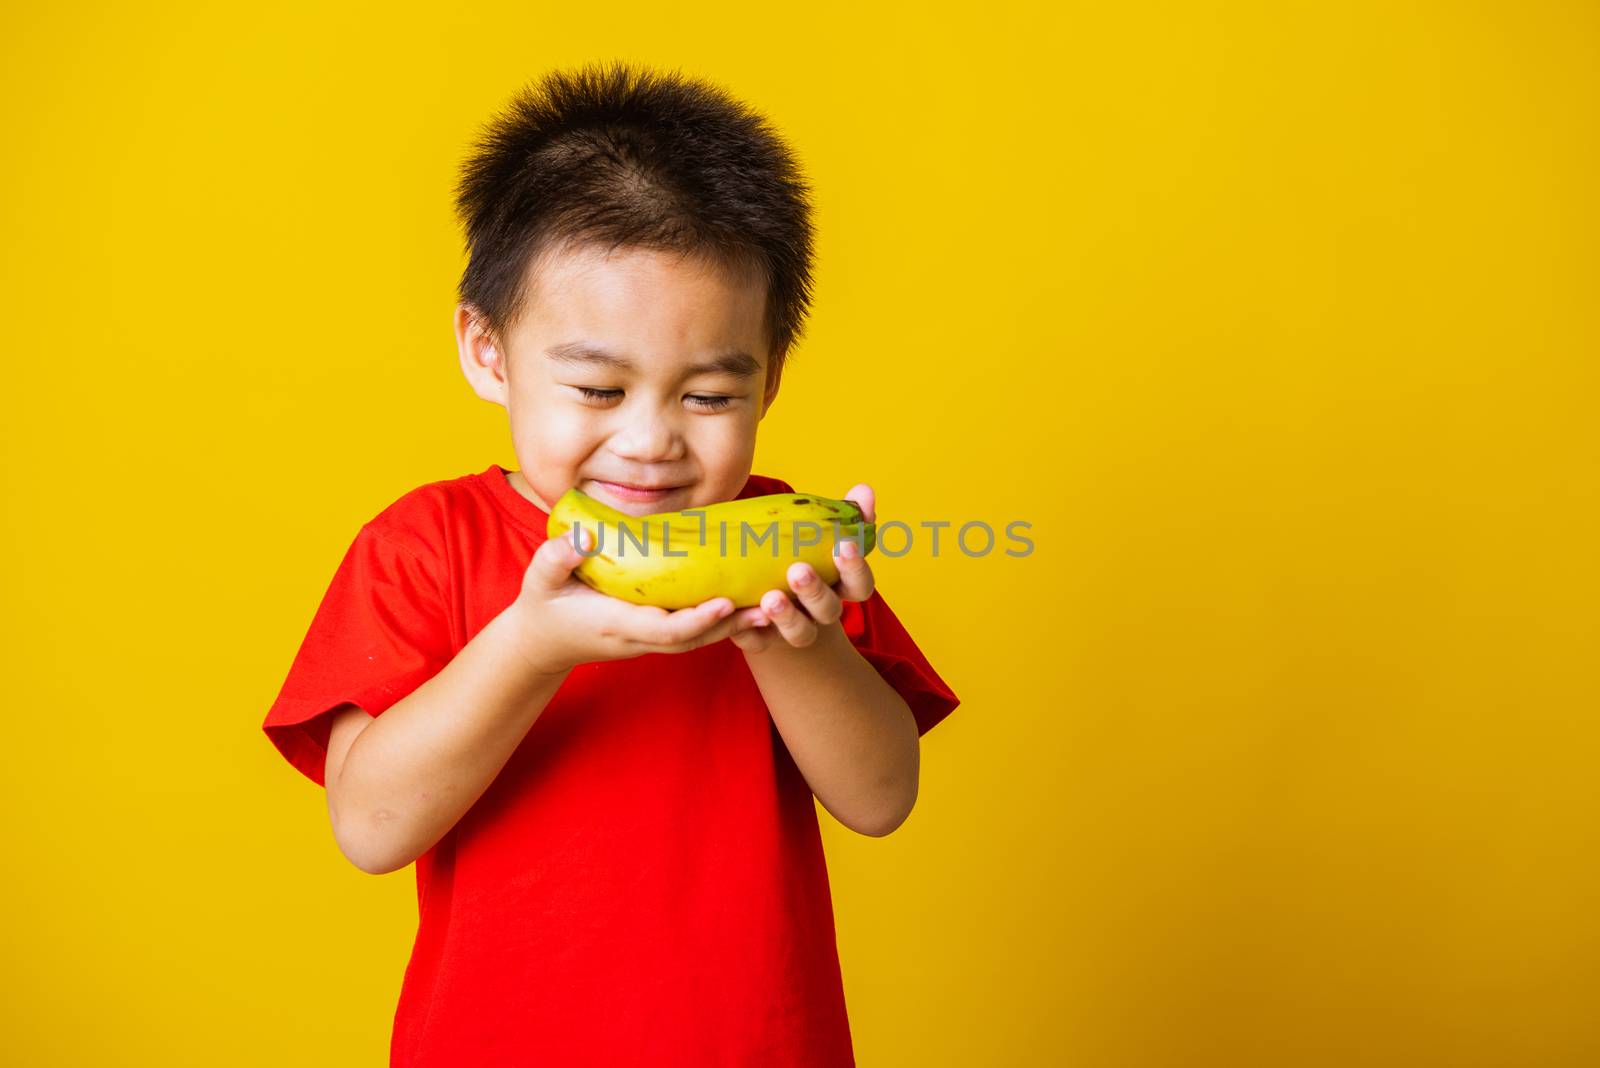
column 726, row 443
column 557, row 432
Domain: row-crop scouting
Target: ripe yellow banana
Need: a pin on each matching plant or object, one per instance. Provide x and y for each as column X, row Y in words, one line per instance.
column 735, row 549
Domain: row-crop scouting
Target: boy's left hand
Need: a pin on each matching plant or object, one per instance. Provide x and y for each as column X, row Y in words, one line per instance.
column 783, row 619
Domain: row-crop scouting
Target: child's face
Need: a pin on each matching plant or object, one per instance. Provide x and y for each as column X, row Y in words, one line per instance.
column 656, row 420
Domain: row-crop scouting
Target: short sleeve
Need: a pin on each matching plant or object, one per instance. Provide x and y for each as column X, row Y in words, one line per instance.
column 878, row 636
column 381, row 631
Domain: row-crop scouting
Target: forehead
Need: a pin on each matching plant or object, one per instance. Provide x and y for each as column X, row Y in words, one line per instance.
column 651, row 304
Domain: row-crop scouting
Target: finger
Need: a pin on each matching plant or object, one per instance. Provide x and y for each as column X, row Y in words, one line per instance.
column 794, row 626
column 648, row 626
column 819, row 600
column 753, row 630
column 555, row 560
column 747, row 619
column 856, row 582
column 756, row 634
column 714, row 629
column 862, row 494
column 741, row 623
column 752, row 617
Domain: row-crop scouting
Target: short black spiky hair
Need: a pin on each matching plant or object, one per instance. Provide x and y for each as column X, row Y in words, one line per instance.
column 618, row 156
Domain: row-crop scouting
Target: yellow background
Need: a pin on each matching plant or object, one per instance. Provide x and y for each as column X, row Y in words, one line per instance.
column 1278, row 323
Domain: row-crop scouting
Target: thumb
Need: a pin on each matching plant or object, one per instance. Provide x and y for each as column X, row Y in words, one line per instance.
column 554, row 561
column 861, row 493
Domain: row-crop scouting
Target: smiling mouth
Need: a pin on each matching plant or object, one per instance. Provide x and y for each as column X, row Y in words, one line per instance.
column 636, row 493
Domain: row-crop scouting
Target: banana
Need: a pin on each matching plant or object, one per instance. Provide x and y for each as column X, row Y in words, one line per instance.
column 736, row 549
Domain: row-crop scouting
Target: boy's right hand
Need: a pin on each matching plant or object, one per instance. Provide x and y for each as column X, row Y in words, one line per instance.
column 569, row 623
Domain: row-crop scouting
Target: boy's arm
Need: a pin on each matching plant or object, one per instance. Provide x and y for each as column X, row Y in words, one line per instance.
column 850, row 734
column 410, row 774
column 399, row 782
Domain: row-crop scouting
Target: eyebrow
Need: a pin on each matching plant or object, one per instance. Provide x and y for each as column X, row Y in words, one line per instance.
column 586, row 354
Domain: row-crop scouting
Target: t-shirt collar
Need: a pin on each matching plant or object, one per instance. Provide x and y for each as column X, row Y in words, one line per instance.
column 524, row 511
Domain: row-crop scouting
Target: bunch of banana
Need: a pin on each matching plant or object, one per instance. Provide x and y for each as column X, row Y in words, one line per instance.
column 735, row 549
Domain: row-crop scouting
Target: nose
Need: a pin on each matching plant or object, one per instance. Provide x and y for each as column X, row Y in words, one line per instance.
column 648, row 437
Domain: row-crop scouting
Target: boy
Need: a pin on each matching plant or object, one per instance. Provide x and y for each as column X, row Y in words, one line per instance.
column 609, row 805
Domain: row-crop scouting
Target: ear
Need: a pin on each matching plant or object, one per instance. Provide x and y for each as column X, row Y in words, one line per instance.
column 481, row 359
column 774, row 377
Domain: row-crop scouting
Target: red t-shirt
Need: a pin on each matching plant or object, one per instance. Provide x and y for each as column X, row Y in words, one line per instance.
column 644, row 881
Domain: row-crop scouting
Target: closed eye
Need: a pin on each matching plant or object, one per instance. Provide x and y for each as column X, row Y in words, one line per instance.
column 706, row 402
